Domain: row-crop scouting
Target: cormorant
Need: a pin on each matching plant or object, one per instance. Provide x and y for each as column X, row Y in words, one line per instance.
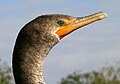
column 36, row 39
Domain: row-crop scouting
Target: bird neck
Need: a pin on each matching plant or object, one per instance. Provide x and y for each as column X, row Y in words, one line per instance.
column 28, row 62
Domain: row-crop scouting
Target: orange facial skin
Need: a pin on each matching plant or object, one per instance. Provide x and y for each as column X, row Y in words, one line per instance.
column 76, row 23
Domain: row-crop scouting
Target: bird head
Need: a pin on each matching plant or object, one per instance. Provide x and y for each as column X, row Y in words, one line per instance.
column 53, row 27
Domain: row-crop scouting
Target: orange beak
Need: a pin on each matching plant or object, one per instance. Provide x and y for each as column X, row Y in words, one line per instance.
column 78, row 23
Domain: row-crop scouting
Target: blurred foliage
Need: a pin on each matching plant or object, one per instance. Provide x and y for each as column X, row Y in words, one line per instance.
column 5, row 74
column 105, row 75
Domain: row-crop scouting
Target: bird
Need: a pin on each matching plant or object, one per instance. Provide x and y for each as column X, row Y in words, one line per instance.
column 37, row 38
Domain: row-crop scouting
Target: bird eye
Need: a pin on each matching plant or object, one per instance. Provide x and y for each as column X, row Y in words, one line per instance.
column 60, row 22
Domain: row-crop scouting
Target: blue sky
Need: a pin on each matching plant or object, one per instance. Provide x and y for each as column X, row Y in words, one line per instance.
column 89, row 48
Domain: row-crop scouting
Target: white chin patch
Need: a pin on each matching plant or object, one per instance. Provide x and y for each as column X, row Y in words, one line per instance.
column 56, row 34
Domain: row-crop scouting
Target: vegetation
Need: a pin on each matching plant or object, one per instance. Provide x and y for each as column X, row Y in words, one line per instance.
column 109, row 75
column 105, row 75
column 5, row 74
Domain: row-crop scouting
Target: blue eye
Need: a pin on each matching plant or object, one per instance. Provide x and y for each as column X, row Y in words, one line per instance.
column 60, row 22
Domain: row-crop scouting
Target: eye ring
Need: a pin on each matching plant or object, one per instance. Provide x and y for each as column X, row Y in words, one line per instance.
column 60, row 22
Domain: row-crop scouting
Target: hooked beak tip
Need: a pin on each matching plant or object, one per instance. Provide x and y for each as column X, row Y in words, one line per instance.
column 102, row 15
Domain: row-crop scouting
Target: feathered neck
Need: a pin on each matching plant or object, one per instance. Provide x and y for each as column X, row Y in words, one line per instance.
column 28, row 56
